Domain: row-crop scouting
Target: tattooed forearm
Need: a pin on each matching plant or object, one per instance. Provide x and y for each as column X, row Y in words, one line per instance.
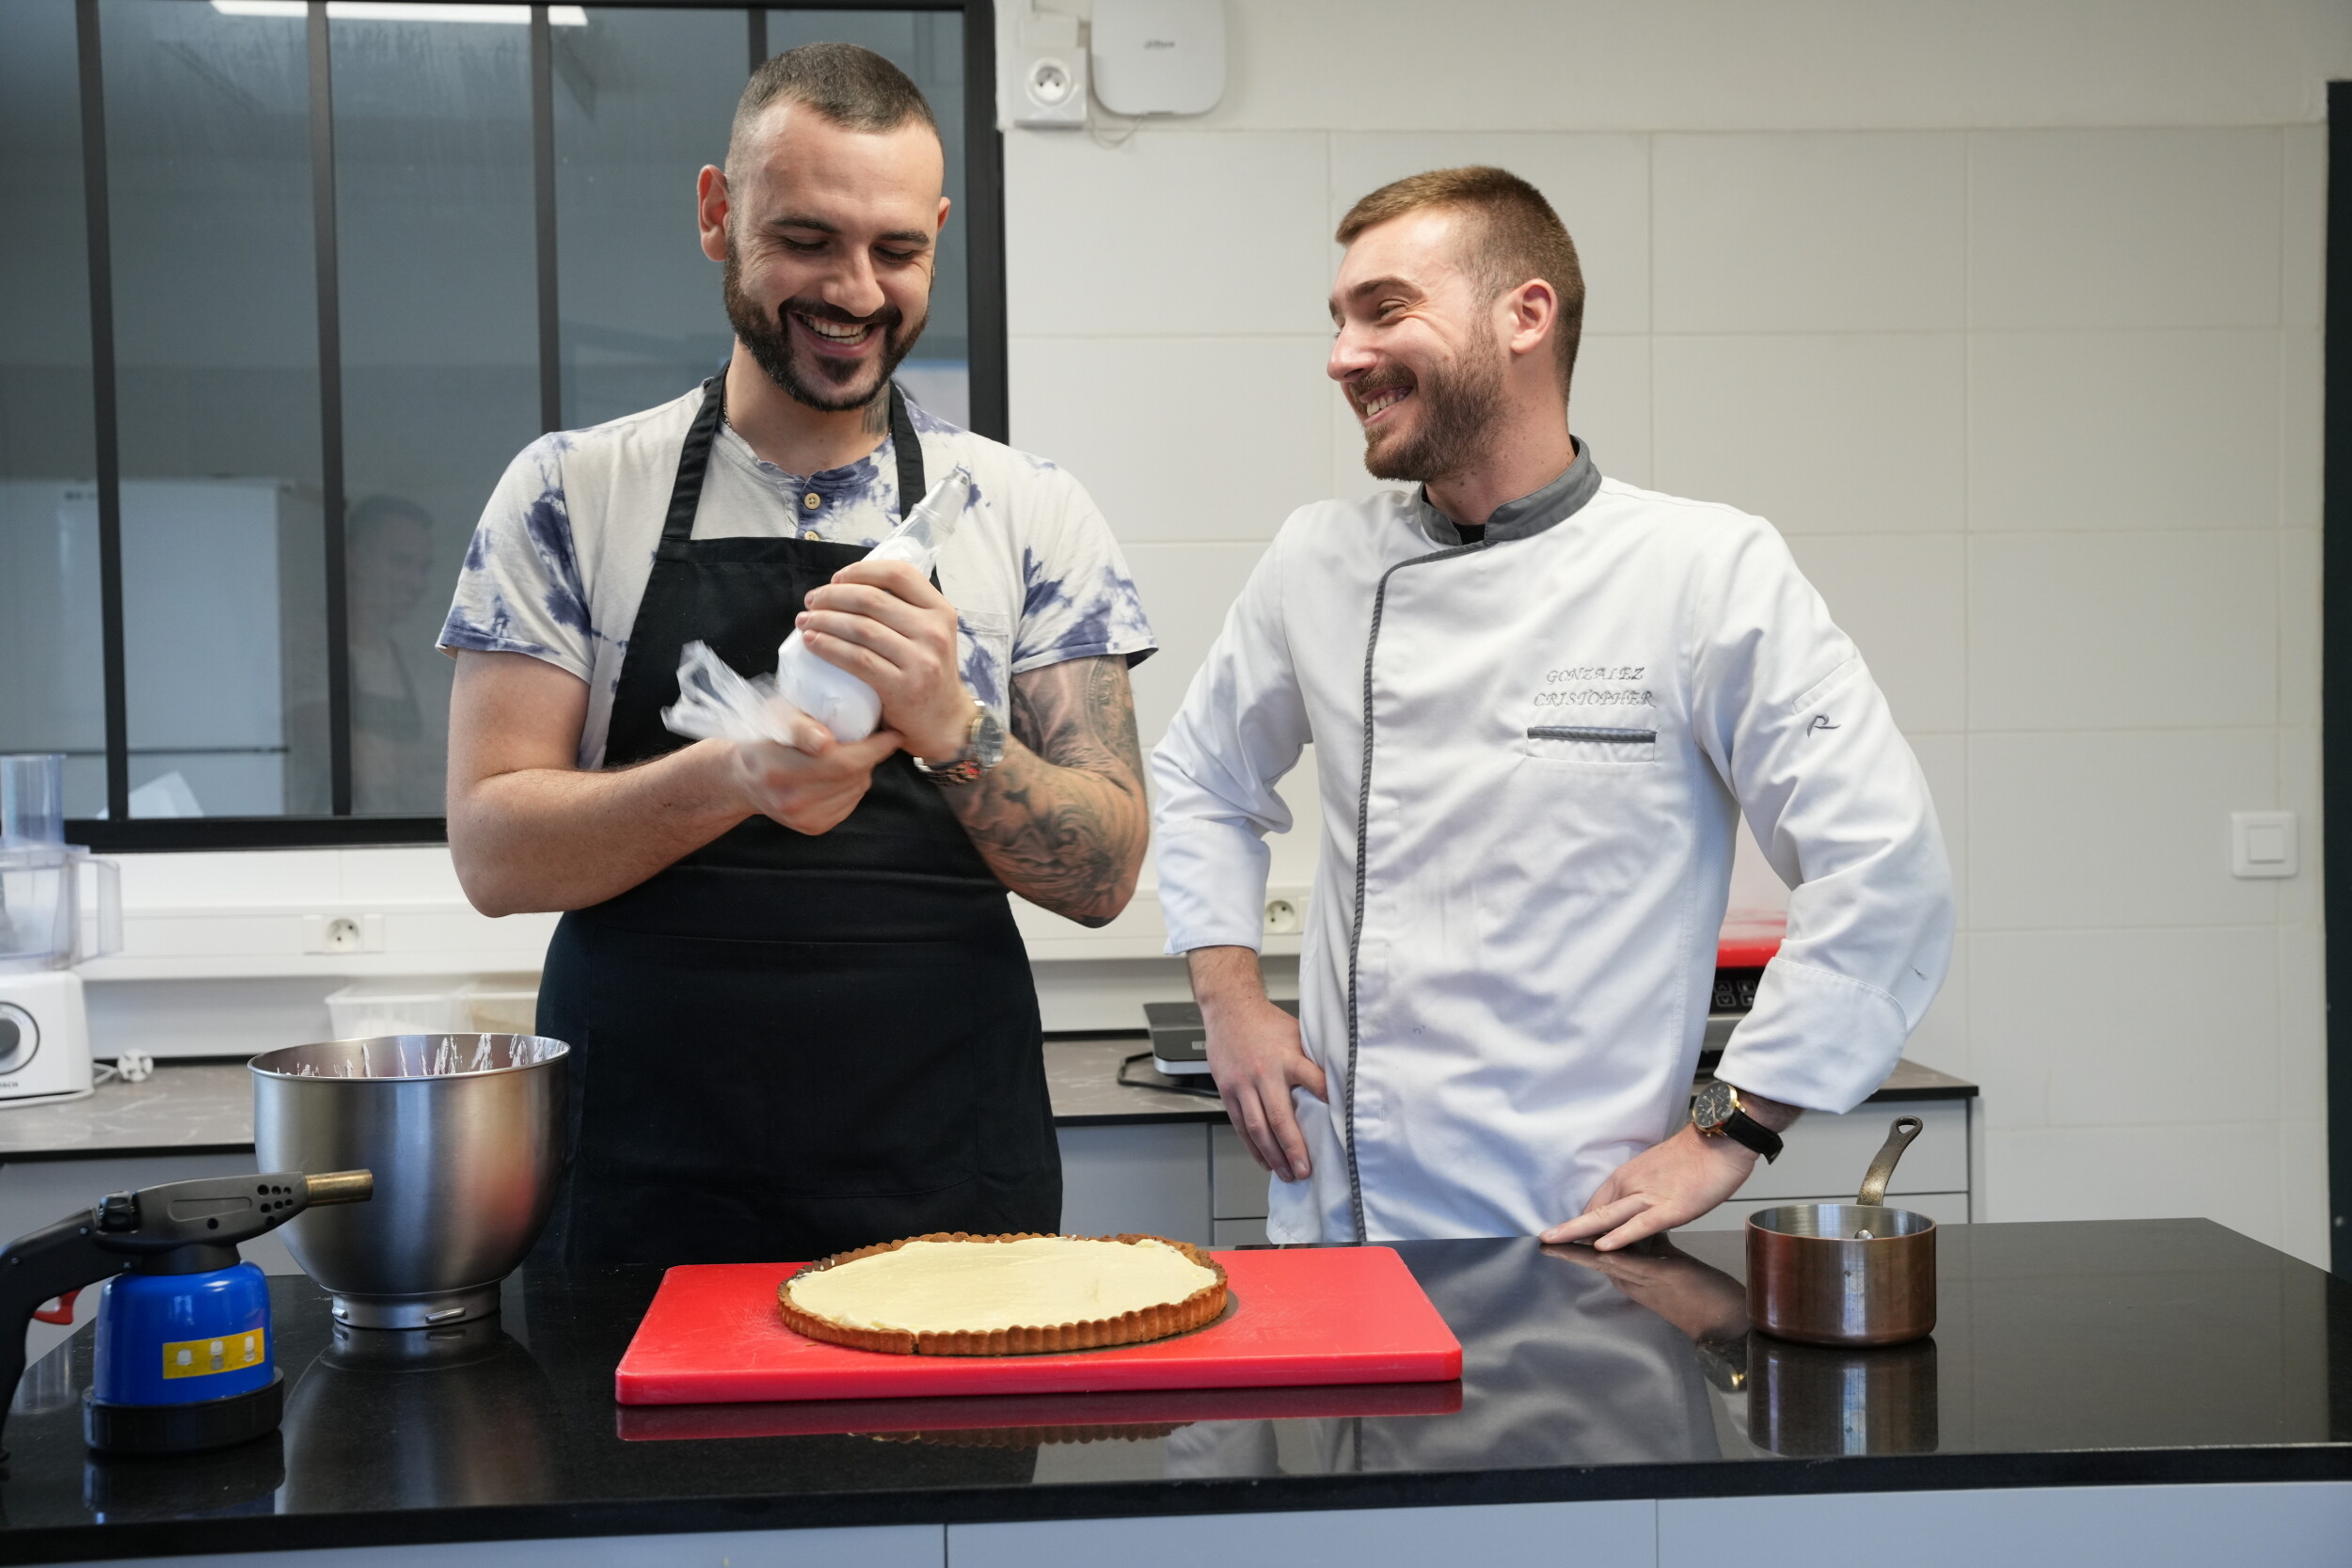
column 1062, row 819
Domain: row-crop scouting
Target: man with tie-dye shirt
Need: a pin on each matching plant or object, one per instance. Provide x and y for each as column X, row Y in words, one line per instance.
column 800, row 1016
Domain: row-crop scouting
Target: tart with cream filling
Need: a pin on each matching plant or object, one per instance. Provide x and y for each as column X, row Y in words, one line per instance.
column 955, row 1294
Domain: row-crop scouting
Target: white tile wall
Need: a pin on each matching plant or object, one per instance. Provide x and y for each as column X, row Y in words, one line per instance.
column 1822, row 434
column 1578, row 64
column 1209, row 235
column 2302, row 1024
column 1147, row 424
column 2300, row 379
column 2121, row 829
column 2077, row 631
column 2147, row 62
column 1852, row 232
column 2132, row 430
column 2304, row 233
column 2300, row 898
column 1609, row 406
column 2303, row 1189
column 2114, row 1035
column 2145, row 227
column 2224, row 1171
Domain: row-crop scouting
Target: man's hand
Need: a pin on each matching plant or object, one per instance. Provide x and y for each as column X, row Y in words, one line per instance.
column 812, row 783
column 884, row 623
column 1256, row 1057
column 1668, row 1184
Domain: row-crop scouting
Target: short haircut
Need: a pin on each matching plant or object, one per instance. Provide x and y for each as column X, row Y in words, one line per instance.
column 854, row 87
column 1519, row 237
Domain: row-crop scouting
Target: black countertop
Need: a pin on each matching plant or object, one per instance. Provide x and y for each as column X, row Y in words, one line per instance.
column 2066, row 1355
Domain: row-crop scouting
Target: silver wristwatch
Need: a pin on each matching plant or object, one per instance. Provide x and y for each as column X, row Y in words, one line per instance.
column 983, row 748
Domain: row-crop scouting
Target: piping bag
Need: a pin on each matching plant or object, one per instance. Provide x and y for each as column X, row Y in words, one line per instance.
column 714, row 703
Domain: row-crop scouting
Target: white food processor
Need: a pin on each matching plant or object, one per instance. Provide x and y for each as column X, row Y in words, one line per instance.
column 45, row 1026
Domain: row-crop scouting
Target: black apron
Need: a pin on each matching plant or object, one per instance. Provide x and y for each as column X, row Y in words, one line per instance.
column 784, row 1045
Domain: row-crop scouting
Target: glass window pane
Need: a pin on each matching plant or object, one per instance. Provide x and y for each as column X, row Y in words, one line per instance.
column 642, row 99
column 928, row 46
column 216, row 350
column 439, row 258
column 51, row 691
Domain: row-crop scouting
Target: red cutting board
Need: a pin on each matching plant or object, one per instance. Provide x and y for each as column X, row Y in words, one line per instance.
column 1056, row 1418
column 1325, row 1314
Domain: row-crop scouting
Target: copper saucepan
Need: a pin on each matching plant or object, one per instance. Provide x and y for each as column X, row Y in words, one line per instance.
column 1846, row 1273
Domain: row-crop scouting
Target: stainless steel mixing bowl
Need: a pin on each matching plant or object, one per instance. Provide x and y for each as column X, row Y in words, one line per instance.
column 465, row 1133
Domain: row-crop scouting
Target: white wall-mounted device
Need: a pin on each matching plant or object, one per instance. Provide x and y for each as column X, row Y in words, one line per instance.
column 1041, row 72
column 2263, row 844
column 1159, row 56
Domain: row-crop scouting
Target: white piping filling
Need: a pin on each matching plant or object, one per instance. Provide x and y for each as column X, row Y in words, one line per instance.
column 978, row 1286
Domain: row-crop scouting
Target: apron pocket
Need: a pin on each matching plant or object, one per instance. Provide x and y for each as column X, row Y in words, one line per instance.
column 1602, row 744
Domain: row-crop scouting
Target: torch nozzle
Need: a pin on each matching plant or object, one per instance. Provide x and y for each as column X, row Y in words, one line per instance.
column 341, row 1186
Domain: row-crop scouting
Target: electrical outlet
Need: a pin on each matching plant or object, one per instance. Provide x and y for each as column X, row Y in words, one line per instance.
column 1041, row 84
column 1282, row 918
column 344, row 933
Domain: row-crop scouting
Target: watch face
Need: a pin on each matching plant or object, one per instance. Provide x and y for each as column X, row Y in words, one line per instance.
column 1712, row 1106
column 988, row 740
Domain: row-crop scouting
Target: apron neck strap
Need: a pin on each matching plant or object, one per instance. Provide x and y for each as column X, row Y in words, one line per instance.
column 908, row 451
column 693, row 459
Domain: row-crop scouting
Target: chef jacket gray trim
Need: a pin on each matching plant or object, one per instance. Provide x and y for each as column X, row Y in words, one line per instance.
column 1527, row 516
column 1520, row 519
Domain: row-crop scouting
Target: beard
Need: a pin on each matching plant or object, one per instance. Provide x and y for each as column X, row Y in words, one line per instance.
column 1461, row 402
column 829, row 386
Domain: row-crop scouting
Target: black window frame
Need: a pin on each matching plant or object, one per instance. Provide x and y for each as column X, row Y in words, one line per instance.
column 2336, row 680
column 982, row 217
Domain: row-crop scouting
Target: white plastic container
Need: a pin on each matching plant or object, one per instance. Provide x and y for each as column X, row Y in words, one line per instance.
column 502, row 1004
column 402, row 1005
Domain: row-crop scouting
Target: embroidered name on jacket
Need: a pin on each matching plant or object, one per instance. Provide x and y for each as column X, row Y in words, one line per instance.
column 1596, row 686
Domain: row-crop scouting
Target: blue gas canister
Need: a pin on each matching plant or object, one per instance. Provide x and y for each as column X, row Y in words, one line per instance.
column 183, row 1339
column 183, row 1360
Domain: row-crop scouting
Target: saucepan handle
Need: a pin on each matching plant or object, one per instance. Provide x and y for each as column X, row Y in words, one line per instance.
column 1873, row 1194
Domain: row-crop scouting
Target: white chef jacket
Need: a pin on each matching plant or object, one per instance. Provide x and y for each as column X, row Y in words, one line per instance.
column 1530, row 754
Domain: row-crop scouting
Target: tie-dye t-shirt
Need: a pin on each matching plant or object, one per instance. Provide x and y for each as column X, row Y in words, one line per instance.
column 561, row 557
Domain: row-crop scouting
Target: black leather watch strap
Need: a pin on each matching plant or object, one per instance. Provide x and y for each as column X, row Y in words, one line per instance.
column 1744, row 1129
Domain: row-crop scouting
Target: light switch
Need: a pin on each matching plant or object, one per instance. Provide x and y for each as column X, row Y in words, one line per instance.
column 2263, row 844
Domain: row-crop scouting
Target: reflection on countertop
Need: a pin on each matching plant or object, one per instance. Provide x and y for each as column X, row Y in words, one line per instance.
column 2077, row 1354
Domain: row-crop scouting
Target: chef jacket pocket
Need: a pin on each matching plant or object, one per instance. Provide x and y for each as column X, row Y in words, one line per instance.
column 984, row 654
column 1591, row 745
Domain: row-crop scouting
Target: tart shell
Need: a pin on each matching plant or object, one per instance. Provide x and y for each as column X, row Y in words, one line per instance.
column 1128, row 1328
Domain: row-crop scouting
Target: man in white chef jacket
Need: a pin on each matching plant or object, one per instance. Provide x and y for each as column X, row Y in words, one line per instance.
column 1541, row 700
